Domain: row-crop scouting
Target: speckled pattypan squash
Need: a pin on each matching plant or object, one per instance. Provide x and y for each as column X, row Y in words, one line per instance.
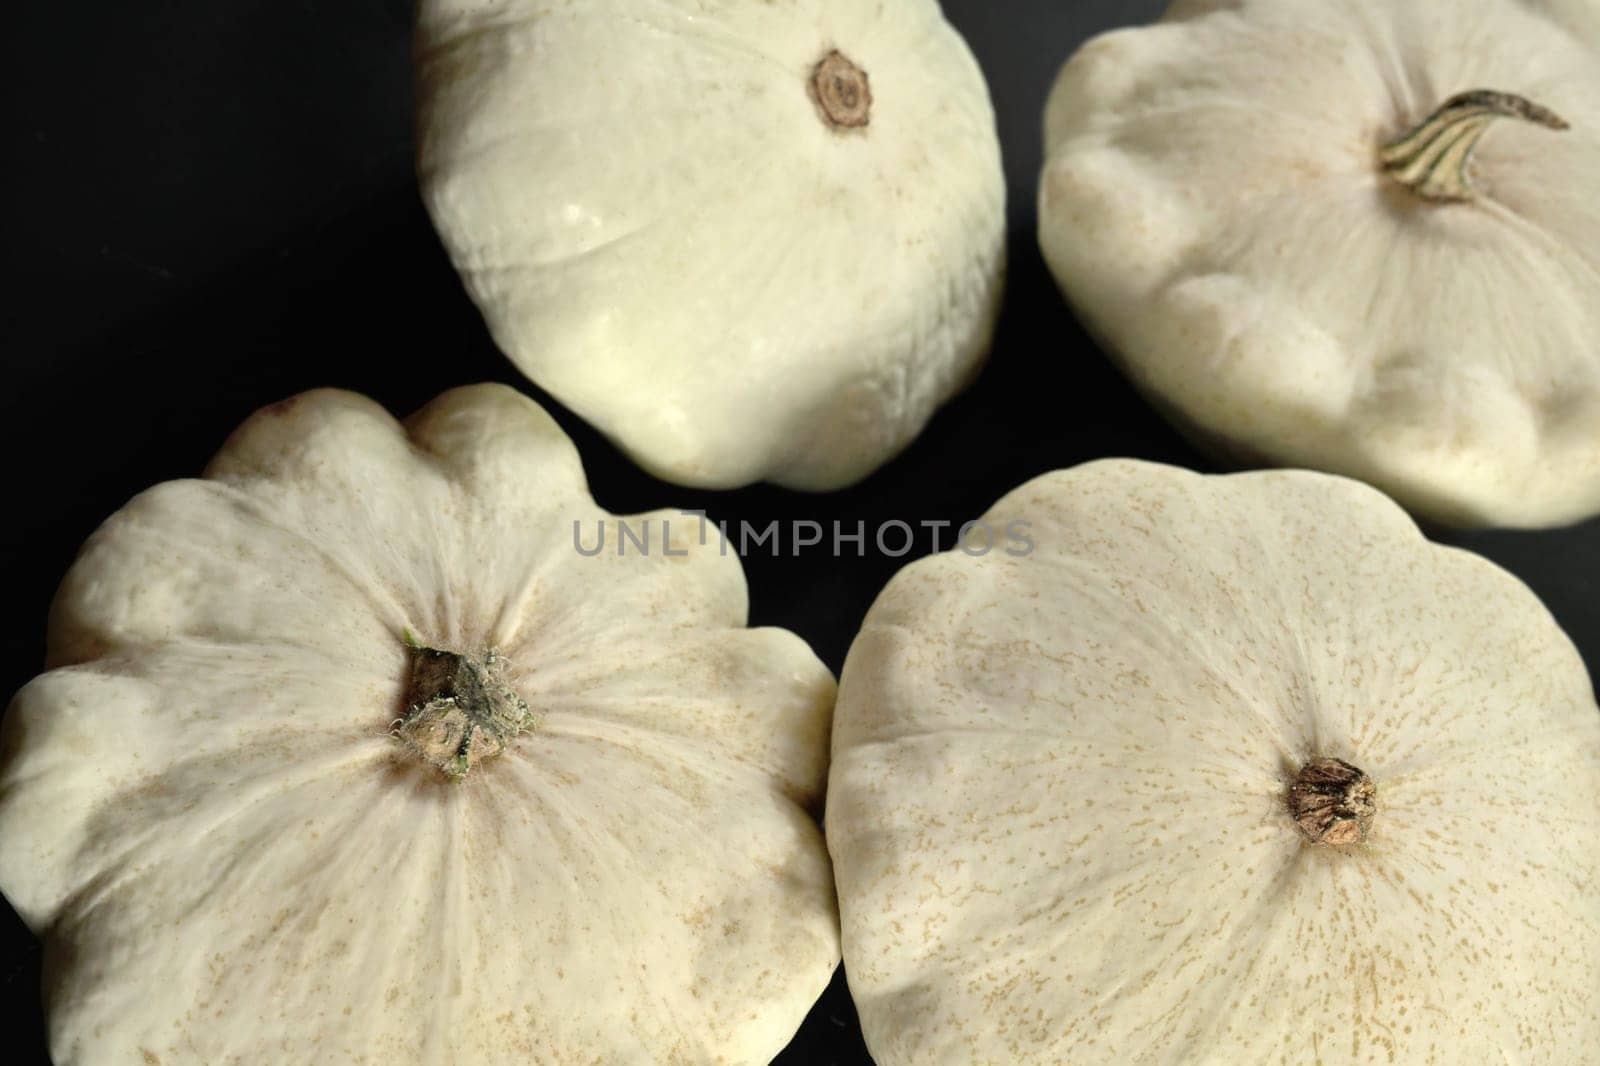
column 347, row 756
column 1228, row 771
column 1354, row 235
column 750, row 241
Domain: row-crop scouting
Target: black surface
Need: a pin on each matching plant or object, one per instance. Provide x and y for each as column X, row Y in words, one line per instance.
column 211, row 207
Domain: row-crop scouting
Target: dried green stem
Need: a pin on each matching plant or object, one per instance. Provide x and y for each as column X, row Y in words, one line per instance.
column 458, row 710
column 1433, row 158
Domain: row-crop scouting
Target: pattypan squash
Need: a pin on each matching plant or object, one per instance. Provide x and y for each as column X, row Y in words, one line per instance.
column 347, row 755
column 749, row 241
column 1226, row 770
column 1361, row 236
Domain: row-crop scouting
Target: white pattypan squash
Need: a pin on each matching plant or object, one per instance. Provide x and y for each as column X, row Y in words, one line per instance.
column 348, row 756
column 747, row 240
column 1354, row 235
column 1227, row 771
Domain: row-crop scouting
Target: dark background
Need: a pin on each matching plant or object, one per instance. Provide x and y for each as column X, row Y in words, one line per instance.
column 212, row 207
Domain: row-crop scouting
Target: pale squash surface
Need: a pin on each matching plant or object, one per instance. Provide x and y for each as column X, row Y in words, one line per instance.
column 1215, row 204
column 737, row 271
column 232, row 861
column 1058, row 805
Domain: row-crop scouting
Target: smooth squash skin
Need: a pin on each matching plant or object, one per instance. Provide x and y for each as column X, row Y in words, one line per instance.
column 1229, row 770
column 348, row 755
column 749, row 241
column 1306, row 256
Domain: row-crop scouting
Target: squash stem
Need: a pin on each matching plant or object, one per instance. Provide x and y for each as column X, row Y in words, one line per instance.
column 1432, row 159
column 1333, row 803
column 842, row 92
column 459, row 711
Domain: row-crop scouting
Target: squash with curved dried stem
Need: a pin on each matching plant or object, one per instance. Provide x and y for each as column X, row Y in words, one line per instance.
column 348, row 756
column 1353, row 235
column 1229, row 770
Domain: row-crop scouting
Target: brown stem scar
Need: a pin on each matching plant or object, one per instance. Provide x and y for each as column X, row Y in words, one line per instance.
column 1333, row 803
column 842, row 92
